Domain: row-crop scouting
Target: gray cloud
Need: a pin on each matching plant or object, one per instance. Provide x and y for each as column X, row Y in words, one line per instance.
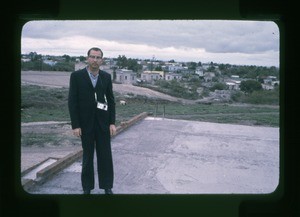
column 213, row 36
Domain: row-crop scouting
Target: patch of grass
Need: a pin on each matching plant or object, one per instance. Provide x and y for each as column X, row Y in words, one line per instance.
column 268, row 97
column 50, row 104
column 44, row 104
column 253, row 115
column 38, row 139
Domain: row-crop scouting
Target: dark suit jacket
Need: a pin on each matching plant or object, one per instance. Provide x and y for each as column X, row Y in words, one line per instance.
column 82, row 105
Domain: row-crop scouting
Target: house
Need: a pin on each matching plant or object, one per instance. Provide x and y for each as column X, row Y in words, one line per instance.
column 161, row 73
column 205, row 66
column 235, row 76
column 234, row 82
column 271, row 80
column 125, row 76
column 50, row 62
column 172, row 76
column 199, row 71
column 25, row 59
column 208, row 76
column 175, row 67
column 150, row 76
column 267, row 86
column 233, row 85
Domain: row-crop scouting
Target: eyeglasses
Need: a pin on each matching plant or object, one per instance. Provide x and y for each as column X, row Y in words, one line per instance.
column 95, row 57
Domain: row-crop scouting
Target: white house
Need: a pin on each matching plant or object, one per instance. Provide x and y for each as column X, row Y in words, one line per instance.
column 50, row 62
column 172, row 76
column 208, row 76
column 235, row 76
column 199, row 71
column 175, row 67
column 151, row 76
column 233, row 85
column 125, row 76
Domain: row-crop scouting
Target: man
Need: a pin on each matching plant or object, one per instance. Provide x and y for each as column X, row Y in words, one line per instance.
column 92, row 112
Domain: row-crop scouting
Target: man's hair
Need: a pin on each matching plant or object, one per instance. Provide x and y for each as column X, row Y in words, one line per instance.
column 95, row 49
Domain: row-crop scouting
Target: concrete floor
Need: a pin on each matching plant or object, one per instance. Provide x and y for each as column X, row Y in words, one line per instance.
column 163, row 156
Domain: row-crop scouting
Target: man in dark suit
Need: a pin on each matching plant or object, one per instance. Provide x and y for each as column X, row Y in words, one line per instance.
column 92, row 111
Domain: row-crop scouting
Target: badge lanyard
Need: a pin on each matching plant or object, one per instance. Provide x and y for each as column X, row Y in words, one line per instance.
column 96, row 98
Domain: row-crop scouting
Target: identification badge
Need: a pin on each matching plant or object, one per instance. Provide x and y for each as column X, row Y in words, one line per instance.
column 102, row 106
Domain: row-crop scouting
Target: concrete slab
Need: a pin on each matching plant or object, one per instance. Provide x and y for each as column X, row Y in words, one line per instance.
column 163, row 156
column 31, row 156
column 32, row 173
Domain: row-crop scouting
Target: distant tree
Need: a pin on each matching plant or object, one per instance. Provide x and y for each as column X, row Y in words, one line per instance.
column 34, row 56
column 260, row 80
column 67, row 58
column 211, row 68
column 158, row 68
column 192, row 65
column 64, row 66
column 133, row 65
column 82, row 58
column 122, row 62
column 218, row 86
column 224, row 67
column 249, row 86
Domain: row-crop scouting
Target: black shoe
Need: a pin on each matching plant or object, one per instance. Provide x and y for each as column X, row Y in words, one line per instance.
column 87, row 192
column 108, row 191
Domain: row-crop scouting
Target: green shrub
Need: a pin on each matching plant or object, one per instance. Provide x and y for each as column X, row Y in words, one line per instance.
column 257, row 97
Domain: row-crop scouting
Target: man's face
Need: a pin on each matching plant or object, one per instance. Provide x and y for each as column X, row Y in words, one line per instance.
column 94, row 59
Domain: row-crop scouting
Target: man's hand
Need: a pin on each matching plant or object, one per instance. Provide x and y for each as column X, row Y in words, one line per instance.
column 77, row 132
column 112, row 129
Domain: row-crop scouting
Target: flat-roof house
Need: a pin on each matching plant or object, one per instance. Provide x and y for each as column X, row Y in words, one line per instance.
column 208, row 76
column 172, row 76
column 125, row 76
column 150, row 76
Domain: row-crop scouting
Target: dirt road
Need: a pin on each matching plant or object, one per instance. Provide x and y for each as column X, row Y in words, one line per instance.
column 61, row 79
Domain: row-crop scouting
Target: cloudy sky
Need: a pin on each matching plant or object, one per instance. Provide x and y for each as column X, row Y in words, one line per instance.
column 233, row 42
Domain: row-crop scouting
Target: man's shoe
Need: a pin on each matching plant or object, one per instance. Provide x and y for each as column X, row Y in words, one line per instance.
column 108, row 191
column 87, row 192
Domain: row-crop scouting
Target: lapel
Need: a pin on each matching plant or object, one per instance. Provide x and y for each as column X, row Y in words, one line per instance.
column 100, row 82
column 88, row 79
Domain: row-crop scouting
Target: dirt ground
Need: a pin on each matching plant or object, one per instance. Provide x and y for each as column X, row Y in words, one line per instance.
column 62, row 142
column 61, row 79
column 61, row 130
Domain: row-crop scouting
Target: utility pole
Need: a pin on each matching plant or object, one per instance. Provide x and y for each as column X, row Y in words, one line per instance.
column 151, row 65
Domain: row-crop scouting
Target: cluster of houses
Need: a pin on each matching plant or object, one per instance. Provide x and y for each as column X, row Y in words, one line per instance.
column 169, row 71
column 269, row 82
column 129, row 77
column 126, row 76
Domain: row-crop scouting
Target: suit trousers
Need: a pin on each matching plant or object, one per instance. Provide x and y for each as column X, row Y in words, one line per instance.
column 96, row 137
